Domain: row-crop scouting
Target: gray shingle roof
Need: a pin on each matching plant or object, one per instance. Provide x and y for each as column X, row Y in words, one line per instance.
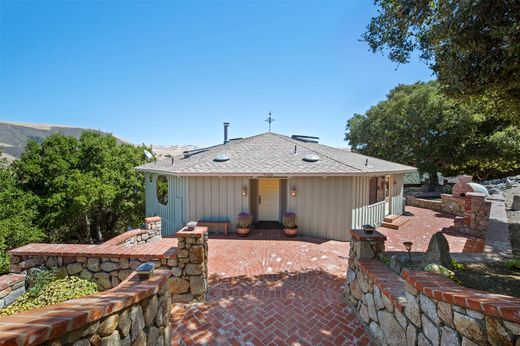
column 270, row 153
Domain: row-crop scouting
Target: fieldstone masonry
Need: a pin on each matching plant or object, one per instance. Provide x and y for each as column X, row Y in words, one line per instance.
column 476, row 215
column 110, row 264
column 135, row 313
column 190, row 277
column 11, row 287
column 424, row 308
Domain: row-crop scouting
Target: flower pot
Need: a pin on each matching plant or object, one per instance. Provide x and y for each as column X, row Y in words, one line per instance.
column 290, row 232
column 242, row 232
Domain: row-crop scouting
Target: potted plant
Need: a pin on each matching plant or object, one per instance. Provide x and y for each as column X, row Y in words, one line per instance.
column 289, row 224
column 243, row 224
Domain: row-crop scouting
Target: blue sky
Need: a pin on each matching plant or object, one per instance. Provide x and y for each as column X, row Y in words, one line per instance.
column 170, row 72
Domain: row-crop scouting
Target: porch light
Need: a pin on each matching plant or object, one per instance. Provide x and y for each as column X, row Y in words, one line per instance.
column 293, row 191
column 244, row 191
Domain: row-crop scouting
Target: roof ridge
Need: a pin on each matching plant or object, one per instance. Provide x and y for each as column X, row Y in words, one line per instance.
column 287, row 138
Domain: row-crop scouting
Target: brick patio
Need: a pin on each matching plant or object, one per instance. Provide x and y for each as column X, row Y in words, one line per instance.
column 270, row 290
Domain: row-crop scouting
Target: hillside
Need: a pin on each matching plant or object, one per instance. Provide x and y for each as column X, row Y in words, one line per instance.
column 14, row 137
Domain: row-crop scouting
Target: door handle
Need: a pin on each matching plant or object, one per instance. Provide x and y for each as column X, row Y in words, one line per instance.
column 259, row 199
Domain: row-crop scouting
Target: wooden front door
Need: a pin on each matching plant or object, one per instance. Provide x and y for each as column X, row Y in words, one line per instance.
column 268, row 200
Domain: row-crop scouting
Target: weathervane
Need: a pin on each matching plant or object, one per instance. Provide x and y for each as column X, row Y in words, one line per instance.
column 270, row 120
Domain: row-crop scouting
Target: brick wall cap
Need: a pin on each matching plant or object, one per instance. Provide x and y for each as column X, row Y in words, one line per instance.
column 40, row 325
column 389, row 283
column 197, row 232
column 360, row 235
column 125, row 236
column 166, row 248
column 152, row 219
column 10, row 279
column 476, row 194
column 439, row 287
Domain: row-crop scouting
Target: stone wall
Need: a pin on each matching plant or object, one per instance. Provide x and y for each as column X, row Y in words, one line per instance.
column 137, row 312
column 150, row 234
column 109, row 264
column 448, row 204
column 424, row 308
column 11, row 287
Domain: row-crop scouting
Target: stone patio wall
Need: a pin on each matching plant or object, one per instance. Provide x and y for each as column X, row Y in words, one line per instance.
column 422, row 308
column 110, row 264
column 11, row 287
column 150, row 234
column 137, row 312
column 448, row 204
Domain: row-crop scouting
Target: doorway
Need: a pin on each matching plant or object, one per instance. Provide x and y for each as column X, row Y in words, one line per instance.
column 268, row 200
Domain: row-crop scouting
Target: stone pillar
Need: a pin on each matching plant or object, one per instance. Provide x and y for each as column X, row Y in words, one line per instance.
column 190, row 277
column 363, row 246
column 476, row 214
column 153, row 228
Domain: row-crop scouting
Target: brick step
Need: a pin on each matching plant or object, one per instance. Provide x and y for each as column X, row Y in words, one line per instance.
column 396, row 223
column 391, row 218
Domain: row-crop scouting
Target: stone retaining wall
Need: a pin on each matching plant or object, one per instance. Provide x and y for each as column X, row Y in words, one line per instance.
column 137, row 312
column 108, row 264
column 424, row 308
column 448, row 204
column 150, row 234
column 11, row 287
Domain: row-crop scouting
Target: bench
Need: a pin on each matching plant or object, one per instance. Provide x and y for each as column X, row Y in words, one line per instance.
column 214, row 223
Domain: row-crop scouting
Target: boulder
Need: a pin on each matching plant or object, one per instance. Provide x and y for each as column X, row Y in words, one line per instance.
column 438, row 251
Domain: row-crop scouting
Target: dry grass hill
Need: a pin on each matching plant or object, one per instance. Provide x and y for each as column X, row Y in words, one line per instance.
column 14, row 136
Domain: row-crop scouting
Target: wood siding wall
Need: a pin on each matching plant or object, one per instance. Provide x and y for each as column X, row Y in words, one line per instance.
column 322, row 205
column 172, row 214
column 216, row 198
column 325, row 207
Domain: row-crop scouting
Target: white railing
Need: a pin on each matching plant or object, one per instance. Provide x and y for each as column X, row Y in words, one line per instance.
column 372, row 215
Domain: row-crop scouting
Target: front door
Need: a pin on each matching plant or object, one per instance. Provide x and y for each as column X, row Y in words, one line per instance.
column 268, row 200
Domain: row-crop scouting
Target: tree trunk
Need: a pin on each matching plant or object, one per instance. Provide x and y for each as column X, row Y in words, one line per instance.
column 433, row 181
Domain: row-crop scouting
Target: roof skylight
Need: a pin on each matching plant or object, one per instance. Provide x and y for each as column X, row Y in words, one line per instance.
column 221, row 158
column 311, row 158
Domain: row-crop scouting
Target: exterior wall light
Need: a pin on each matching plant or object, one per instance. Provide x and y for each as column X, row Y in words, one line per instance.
column 293, row 191
column 244, row 191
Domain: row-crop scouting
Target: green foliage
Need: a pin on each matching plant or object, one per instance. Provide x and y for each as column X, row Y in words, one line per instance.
column 48, row 290
column 87, row 189
column 437, row 268
column 418, row 125
column 18, row 212
column 513, row 263
column 456, row 265
column 472, row 46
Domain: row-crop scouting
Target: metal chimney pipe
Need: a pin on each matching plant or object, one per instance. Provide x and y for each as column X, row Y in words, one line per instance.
column 226, row 140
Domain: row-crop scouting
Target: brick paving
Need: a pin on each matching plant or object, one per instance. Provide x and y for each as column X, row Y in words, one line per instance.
column 267, row 289
column 422, row 225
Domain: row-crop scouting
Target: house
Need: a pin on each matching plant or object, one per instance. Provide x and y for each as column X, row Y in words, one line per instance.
column 331, row 190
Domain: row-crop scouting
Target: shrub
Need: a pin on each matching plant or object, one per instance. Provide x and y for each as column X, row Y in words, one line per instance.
column 513, row 263
column 244, row 220
column 289, row 220
column 45, row 290
column 456, row 265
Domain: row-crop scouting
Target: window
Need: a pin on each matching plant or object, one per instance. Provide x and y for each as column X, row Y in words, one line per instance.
column 378, row 189
column 162, row 189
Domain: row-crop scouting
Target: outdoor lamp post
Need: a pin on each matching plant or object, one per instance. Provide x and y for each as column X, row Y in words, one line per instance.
column 408, row 246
